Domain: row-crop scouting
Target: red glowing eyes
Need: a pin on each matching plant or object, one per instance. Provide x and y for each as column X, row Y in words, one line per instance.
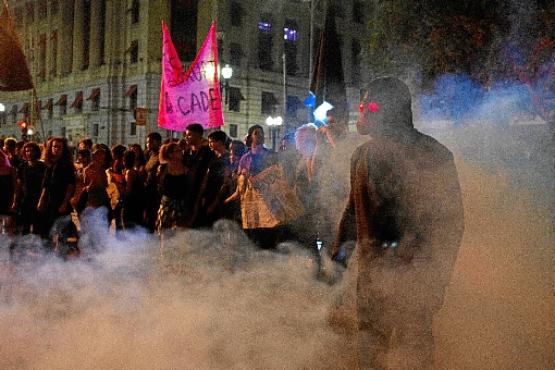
column 372, row 107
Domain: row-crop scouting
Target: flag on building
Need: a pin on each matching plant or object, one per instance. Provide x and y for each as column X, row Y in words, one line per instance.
column 194, row 96
column 14, row 72
column 327, row 80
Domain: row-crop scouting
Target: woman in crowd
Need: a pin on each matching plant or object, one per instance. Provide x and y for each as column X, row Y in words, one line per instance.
column 58, row 184
column 133, row 197
column 256, row 160
column 7, row 190
column 140, row 160
column 96, row 181
column 175, row 183
column 29, row 182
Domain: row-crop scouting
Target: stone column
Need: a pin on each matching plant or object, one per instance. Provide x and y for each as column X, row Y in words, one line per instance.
column 65, row 42
column 78, row 35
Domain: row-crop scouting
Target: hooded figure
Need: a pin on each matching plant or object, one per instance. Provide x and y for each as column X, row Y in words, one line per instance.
column 405, row 213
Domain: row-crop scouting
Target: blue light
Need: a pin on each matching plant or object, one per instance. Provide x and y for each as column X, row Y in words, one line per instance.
column 264, row 26
column 289, row 34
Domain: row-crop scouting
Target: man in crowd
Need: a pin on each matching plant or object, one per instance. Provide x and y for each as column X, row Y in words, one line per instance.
column 405, row 212
column 152, row 203
column 197, row 159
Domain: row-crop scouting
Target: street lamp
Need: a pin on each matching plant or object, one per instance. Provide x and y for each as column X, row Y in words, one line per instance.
column 226, row 73
column 2, row 108
column 274, row 124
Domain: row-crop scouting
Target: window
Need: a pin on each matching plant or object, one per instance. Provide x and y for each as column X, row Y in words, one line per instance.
column 135, row 7
column 78, row 102
column 2, row 118
column 95, row 130
column 355, row 62
column 54, row 53
column 50, row 107
column 86, row 33
column 269, row 102
column 358, row 12
column 337, row 10
column 42, row 9
column 131, row 94
column 290, row 46
column 95, row 99
column 63, row 131
column 236, row 13
column 184, row 28
column 233, row 130
column 30, row 12
column 54, row 7
column 14, row 114
column 265, row 41
column 101, row 32
column 134, row 52
column 293, row 104
column 235, row 54
column 18, row 17
column 234, row 99
column 62, row 103
column 42, row 57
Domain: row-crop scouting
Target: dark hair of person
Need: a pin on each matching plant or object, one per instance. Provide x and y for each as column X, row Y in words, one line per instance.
column 166, row 151
column 248, row 142
column 155, row 136
column 196, row 128
column 129, row 159
column 87, row 143
column 218, row 136
column 10, row 143
column 238, row 148
column 107, row 154
column 84, row 153
column 394, row 99
column 66, row 153
column 118, row 151
column 35, row 150
column 140, row 158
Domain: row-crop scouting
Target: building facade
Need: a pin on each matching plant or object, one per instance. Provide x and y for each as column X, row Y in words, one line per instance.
column 94, row 61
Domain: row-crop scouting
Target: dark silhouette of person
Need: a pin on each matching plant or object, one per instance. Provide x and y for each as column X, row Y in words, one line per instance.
column 405, row 213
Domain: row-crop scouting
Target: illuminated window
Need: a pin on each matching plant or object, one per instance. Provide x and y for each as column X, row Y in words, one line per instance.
column 290, row 46
column 265, row 26
column 265, row 43
column 290, row 34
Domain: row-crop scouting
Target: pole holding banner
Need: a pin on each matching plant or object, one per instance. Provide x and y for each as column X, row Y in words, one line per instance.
column 194, row 96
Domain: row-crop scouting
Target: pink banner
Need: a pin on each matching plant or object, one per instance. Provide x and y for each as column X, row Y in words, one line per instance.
column 192, row 97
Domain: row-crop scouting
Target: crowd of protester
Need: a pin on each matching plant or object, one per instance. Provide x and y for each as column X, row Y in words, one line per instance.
column 170, row 184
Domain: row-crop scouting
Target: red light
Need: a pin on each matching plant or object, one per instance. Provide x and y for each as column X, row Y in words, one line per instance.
column 373, row 107
column 22, row 124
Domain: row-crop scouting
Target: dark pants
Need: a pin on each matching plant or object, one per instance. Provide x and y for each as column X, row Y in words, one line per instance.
column 396, row 305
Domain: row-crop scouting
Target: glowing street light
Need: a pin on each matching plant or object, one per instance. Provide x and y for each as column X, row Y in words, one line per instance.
column 2, row 108
column 227, row 72
column 274, row 124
